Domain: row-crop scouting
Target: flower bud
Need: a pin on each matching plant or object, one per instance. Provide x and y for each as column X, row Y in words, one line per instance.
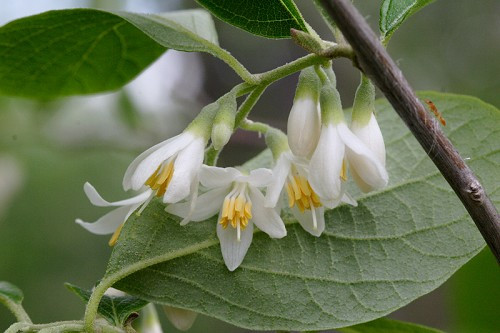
column 276, row 141
column 182, row 319
column 365, row 127
column 223, row 125
column 304, row 119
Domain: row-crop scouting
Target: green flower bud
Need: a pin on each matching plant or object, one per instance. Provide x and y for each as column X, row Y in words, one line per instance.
column 277, row 142
column 223, row 125
column 201, row 126
column 331, row 106
column 308, row 86
column 364, row 102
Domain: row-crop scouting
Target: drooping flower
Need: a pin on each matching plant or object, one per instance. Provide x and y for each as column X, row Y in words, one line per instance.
column 240, row 205
column 112, row 222
column 304, row 119
column 290, row 175
column 368, row 174
column 168, row 170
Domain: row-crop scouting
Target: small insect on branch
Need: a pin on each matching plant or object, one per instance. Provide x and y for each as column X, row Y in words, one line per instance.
column 434, row 110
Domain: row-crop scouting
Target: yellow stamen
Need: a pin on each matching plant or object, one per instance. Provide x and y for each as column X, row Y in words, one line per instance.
column 160, row 179
column 343, row 171
column 291, row 198
column 301, row 194
column 236, row 210
column 116, row 234
column 225, row 208
column 248, row 210
column 295, row 188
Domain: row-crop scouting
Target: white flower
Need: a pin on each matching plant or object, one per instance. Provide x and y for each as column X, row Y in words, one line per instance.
column 290, row 174
column 168, row 170
column 240, row 204
column 327, row 166
column 182, row 319
column 303, row 126
column 113, row 221
column 368, row 171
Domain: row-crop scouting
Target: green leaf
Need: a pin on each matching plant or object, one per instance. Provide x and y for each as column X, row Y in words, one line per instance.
column 12, row 297
column 394, row 12
column 270, row 18
column 384, row 325
column 116, row 309
column 85, row 51
column 9, row 292
column 397, row 245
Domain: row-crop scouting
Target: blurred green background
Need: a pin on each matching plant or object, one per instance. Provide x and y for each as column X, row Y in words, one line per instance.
column 48, row 149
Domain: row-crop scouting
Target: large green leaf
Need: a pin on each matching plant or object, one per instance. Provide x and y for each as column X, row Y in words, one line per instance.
column 397, row 245
column 394, row 12
column 384, row 325
column 116, row 309
column 83, row 51
column 268, row 18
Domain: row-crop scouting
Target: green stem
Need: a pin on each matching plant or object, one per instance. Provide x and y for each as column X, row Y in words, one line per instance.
column 254, row 126
column 248, row 104
column 235, row 65
column 60, row 326
column 211, row 156
column 17, row 309
column 290, row 68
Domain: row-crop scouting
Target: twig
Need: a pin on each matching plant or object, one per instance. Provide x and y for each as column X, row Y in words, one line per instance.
column 378, row 65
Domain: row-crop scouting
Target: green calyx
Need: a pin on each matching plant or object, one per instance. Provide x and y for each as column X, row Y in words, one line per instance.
column 364, row 101
column 277, row 142
column 331, row 106
column 309, row 84
column 202, row 124
column 223, row 125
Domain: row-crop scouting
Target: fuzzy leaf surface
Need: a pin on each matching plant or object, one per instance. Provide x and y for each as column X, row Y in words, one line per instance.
column 116, row 309
column 267, row 18
column 394, row 12
column 384, row 325
column 397, row 245
column 85, row 51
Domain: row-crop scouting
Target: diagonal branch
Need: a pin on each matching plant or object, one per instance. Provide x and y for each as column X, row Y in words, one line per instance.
column 378, row 65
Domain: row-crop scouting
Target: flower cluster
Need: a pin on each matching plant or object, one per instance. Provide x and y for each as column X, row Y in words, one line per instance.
column 311, row 165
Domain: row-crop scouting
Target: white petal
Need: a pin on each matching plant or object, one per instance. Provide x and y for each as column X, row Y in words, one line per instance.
column 234, row 251
column 211, row 176
column 150, row 163
column 127, row 178
column 348, row 199
column 326, row 164
column 207, row 205
column 97, row 200
column 306, row 220
column 303, row 127
column 362, row 161
column 371, row 136
column 109, row 222
column 280, row 172
column 182, row 319
column 266, row 219
column 186, row 168
column 259, row 177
